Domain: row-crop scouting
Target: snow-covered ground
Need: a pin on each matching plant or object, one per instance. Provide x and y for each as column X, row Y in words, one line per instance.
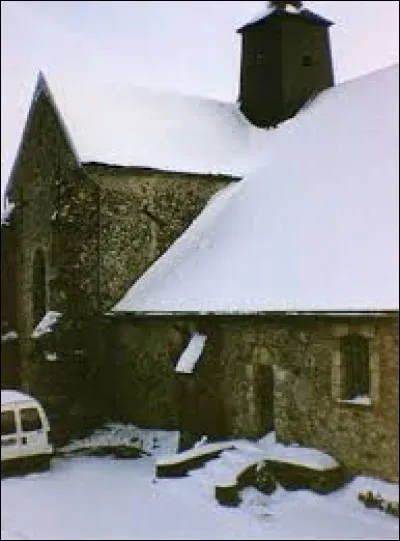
column 85, row 497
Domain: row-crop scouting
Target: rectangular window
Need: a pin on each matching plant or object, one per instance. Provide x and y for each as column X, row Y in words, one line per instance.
column 355, row 354
column 8, row 425
column 30, row 420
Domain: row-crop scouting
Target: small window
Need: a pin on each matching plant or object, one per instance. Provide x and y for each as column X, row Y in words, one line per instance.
column 354, row 352
column 307, row 60
column 260, row 58
column 8, row 423
column 30, row 420
column 38, row 287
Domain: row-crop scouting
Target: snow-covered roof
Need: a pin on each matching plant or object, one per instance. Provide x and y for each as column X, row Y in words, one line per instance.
column 191, row 354
column 10, row 396
column 315, row 227
column 289, row 10
column 261, row 15
column 121, row 125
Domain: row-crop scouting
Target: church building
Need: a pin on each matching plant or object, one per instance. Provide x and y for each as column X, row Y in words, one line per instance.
column 222, row 269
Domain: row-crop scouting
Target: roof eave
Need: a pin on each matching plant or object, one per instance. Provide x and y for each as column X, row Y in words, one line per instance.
column 154, row 170
column 271, row 313
column 308, row 16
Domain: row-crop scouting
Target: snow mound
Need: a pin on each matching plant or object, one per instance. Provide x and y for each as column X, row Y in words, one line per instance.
column 151, row 441
column 295, row 454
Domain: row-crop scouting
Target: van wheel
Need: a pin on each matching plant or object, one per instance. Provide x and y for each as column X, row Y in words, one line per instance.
column 44, row 463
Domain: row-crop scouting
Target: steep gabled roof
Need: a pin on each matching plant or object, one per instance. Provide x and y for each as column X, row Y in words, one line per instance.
column 315, row 227
column 40, row 89
column 129, row 126
column 116, row 124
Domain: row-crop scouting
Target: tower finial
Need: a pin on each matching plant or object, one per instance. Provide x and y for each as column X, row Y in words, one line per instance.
column 282, row 5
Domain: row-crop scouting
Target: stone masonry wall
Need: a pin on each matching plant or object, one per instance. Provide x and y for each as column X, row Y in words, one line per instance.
column 218, row 398
column 75, row 246
column 56, row 212
column 364, row 437
column 55, row 205
column 8, row 285
column 139, row 364
column 98, row 229
column 145, row 389
column 301, row 353
column 142, row 213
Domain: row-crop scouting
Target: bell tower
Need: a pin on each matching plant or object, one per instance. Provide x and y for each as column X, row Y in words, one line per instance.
column 285, row 61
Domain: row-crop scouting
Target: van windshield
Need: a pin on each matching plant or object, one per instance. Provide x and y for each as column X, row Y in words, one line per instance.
column 8, row 423
column 30, row 419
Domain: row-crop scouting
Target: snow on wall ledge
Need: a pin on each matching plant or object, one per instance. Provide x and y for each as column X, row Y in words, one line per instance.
column 7, row 213
column 46, row 324
column 313, row 227
column 191, row 354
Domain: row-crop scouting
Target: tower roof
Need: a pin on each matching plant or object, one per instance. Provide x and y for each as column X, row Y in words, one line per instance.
column 281, row 11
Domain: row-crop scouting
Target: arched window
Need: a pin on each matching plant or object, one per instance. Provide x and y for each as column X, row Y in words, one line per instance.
column 38, row 287
column 354, row 352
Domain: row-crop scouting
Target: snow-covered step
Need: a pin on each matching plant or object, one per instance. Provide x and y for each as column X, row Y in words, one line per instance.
column 179, row 464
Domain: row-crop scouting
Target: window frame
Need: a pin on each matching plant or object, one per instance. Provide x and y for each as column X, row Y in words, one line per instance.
column 367, row 331
column 355, row 363
column 13, row 413
column 36, row 427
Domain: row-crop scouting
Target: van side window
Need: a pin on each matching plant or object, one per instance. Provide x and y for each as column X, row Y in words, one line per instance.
column 30, row 419
column 8, row 423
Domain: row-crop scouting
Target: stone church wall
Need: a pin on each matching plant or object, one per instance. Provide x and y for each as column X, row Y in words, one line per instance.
column 224, row 395
column 98, row 229
column 142, row 213
column 309, row 411
column 54, row 220
column 8, row 289
column 95, row 234
column 55, row 208
column 141, row 357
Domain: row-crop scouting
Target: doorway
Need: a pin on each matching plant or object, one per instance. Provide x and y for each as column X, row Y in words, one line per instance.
column 264, row 396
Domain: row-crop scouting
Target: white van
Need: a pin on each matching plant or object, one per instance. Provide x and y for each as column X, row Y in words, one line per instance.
column 25, row 433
